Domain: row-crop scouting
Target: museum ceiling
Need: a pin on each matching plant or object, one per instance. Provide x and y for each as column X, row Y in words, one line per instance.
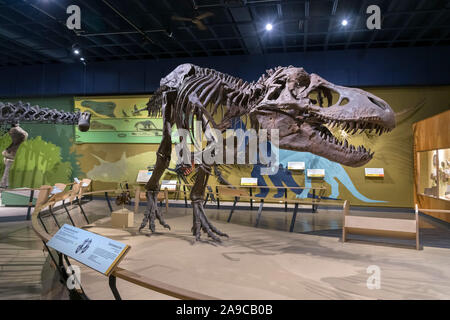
column 35, row 31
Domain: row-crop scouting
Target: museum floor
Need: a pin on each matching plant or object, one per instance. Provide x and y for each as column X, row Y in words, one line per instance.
column 255, row 263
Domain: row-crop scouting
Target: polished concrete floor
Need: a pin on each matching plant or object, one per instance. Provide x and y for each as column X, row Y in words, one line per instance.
column 255, row 263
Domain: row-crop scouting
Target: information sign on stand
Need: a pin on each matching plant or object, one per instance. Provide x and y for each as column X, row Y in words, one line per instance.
column 95, row 251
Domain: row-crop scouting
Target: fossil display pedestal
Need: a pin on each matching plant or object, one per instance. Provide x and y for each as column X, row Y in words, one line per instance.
column 122, row 218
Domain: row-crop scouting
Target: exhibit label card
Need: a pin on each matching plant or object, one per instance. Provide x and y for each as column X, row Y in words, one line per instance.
column 95, row 251
column 316, row 173
column 170, row 185
column 374, row 172
column 296, row 165
column 143, row 176
column 249, row 181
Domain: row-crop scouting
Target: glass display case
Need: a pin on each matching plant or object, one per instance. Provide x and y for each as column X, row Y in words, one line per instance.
column 434, row 173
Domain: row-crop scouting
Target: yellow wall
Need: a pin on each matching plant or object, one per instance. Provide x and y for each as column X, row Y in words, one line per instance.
column 393, row 152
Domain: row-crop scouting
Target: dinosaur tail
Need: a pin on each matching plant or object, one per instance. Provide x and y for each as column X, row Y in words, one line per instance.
column 347, row 182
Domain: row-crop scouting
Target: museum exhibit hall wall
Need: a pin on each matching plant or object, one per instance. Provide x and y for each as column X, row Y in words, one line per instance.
column 109, row 154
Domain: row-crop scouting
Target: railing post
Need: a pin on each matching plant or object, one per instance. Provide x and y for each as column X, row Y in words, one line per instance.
column 30, row 204
column 112, row 285
column 109, row 202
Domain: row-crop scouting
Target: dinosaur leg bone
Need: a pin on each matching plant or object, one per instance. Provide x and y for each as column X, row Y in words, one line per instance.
column 162, row 163
column 200, row 220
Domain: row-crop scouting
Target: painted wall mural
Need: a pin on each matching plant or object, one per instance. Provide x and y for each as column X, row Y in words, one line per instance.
column 112, row 162
column 393, row 152
column 118, row 120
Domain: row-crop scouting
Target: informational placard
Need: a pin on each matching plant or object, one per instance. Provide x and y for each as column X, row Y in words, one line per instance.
column 315, row 173
column 374, row 172
column 296, row 165
column 170, row 185
column 95, row 251
column 143, row 176
column 249, row 181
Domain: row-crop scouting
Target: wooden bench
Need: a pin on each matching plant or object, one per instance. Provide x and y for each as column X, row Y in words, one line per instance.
column 384, row 227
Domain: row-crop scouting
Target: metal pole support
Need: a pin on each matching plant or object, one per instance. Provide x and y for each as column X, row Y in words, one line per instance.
column 112, row 285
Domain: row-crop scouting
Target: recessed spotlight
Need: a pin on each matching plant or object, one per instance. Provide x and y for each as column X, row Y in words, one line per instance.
column 81, row 59
column 269, row 26
column 344, row 22
column 76, row 50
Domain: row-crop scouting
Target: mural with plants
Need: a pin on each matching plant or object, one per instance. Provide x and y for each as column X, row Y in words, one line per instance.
column 37, row 162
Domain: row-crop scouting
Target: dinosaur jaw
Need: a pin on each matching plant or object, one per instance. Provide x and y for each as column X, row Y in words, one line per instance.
column 315, row 134
column 320, row 141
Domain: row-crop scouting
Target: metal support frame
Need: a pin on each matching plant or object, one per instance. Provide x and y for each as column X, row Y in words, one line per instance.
column 42, row 222
column 68, row 213
column 30, row 204
column 314, row 206
column 53, row 215
column 258, row 216
column 82, row 210
column 112, row 285
column 108, row 201
column 236, row 199
column 251, row 200
column 218, row 199
column 285, row 202
column 294, row 217
column 185, row 196
column 206, row 199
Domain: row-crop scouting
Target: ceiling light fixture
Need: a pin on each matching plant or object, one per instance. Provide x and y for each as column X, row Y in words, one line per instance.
column 76, row 50
column 344, row 22
column 269, row 26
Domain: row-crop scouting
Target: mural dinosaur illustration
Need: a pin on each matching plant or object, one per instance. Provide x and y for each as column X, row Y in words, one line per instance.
column 334, row 172
column 298, row 104
column 14, row 114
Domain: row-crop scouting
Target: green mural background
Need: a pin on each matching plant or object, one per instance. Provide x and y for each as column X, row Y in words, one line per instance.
column 46, row 157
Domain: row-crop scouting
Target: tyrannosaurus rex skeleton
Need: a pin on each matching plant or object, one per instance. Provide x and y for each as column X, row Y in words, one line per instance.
column 298, row 104
column 13, row 114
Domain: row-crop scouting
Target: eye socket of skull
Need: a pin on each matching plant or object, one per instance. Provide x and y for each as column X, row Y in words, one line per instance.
column 298, row 81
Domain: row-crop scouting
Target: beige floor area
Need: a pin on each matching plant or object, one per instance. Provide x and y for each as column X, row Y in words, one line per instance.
column 254, row 263
column 259, row 263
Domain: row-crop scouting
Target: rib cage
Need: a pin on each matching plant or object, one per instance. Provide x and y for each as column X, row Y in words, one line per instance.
column 215, row 91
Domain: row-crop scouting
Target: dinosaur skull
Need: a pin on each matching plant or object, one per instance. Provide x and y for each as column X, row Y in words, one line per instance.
column 84, row 121
column 304, row 107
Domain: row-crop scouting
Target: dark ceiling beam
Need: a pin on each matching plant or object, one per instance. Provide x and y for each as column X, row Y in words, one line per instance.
column 89, row 25
column 254, row 36
column 94, row 10
column 235, row 29
column 330, row 23
column 445, row 34
column 306, row 26
column 162, row 27
column 129, row 22
column 259, row 43
column 430, row 25
column 405, row 25
column 170, row 8
column 62, row 35
column 321, row 17
column 361, row 12
column 281, row 24
column 219, row 41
